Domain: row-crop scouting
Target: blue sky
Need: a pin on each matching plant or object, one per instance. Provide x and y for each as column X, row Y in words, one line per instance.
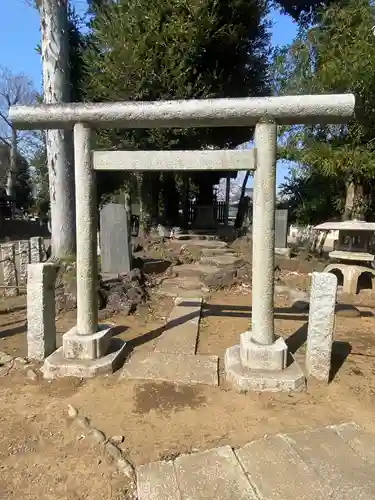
column 19, row 37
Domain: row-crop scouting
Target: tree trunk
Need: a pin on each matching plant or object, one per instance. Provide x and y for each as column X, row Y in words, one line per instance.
column 206, row 195
column 240, row 212
column 314, row 242
column 145, row 204
column 227, row 200
column 155, row 193
column 56, row 87
column 170, row 199
column 185, row 200
column 322, row 242
column 355, row 206
column 10, row 188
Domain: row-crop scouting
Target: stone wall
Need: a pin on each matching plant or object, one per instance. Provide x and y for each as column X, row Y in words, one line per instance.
column 14, row 260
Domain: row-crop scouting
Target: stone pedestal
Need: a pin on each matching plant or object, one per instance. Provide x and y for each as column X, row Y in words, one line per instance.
column 244, row 379
column 86, row 355
column 256, row 356
column 251, row 366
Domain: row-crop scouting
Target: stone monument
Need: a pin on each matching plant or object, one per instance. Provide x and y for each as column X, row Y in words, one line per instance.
column 115, row 240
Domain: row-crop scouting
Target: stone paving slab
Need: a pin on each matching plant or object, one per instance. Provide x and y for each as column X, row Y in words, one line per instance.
column 181, row 331
column 309, row 465
column 205, row 244
column 179, row 369
column 213, row 474
column 349, row 476
column 278, row 473
column 157, row 481
column 360, row 440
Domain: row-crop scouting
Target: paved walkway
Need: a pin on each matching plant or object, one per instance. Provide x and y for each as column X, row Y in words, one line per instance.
column 174, row 358
column 333, row 463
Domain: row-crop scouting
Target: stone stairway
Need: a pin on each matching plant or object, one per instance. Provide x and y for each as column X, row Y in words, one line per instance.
column 333, row 463
column 174, row 357
column 216, row 258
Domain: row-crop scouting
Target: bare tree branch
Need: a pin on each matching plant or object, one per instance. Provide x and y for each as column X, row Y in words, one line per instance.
column 14, row 89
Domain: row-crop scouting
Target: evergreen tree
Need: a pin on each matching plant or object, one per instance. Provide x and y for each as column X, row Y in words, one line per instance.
column 176, row 49
column 336, row 55
column 305, row 11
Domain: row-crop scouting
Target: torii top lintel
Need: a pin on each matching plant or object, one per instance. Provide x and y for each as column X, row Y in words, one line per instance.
column 230, row 112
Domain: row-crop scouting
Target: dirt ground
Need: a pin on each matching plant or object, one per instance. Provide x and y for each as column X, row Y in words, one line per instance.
column 43, row 457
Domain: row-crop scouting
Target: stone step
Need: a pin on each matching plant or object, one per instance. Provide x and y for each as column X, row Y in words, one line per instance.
column 199, row 237
column 338, row 466
column 179, row 369
column 198, row 270
column 332, row 463
column 181, row 331
column 185, row 283
column 278, row 473
column 205, row 244
column 175, row 291
column 209, row 252
column 222, row 260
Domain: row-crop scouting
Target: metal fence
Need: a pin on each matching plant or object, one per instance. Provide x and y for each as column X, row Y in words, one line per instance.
column 219, row 211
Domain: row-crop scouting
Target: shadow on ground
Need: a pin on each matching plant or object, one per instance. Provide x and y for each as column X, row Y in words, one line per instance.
column 230, row 310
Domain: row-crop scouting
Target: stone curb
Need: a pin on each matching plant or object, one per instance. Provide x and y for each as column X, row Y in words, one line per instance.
column 112, row 452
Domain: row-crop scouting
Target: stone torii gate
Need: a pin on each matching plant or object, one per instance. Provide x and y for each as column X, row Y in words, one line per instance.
column 260, row 361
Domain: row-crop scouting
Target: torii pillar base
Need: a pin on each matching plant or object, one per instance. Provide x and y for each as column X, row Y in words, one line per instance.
column 254, row 367
column 85, row 356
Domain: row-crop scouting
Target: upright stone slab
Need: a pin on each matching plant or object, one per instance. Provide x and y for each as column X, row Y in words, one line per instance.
column 36, row 248
column 115, row 239
column 41, row 327
column 9, row 269
column 281, row 228
column 24, row 253
column 321, row 325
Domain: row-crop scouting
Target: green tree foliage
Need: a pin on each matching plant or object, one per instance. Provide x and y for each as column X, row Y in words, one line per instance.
column 76, row 47
column 310, row 198
column 303, row 11
column 336, row 55
column 176, row 49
